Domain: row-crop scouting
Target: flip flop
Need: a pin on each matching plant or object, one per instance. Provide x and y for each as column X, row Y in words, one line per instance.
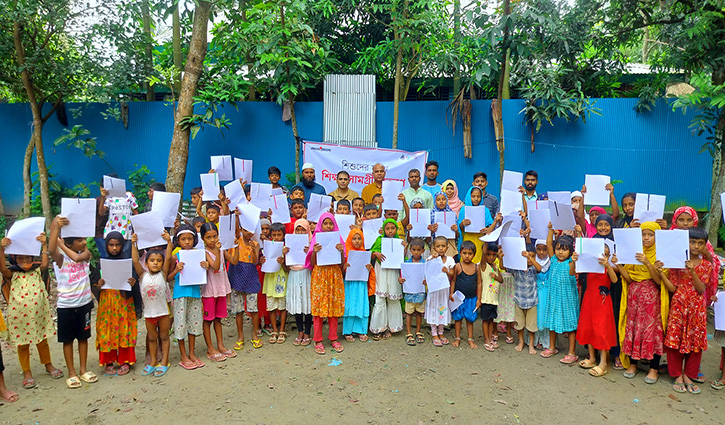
column 192, row 367
column 296, row 342
column 257, row 343
column 437, row 342
column 509, row 340
column 568, row 359
column 124, row 369
column 679, row 387
column 73, row 382
column 717, row 385
column 363, row 337
column 444, row 340
column 319, row 349
column 548, row 353
column 349, row 338
column 218, row 357
column 148, row 370
column 55, row 373
column 29, row 384
column 200, row 364
column 239, row 345
column 693, row 389
column 337, row 347
column 305, row 342
column 229, row 354
column 488, row 347
column 12, row 397
column 110, row 371
column 89, row 377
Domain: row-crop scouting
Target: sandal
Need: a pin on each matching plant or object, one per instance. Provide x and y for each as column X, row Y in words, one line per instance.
column 444, row 340
column 693, row 388
column 161, row 371
column 188, row 367
column 229, row 354
column 29, row 384
column 495, row 338
column 297, row 341
column 437, row 342
column 419, row 338
column 586, row 364
column 55, row 373
column 110, row 371
column 337, row 346
column 349, row 338
column 257, row 343
column 89, row 377
column 11, row 398
column 717, row 385
column 73, row 382
column 700, row 378
column 148, row 370
column 218, row 357
column 509, row 340
column 410, row 339
column 548, row 353
column 568, row 359
column 239, row 345
column 377, row 337
column 597, row 371
column 319, row 349
column 618, row 364
column 363, row 337
column 488, row 347
column 305, row 342
column 387, row 335
column 679, row 387
column 282, row 338
column 124, row 369
column 273, row 338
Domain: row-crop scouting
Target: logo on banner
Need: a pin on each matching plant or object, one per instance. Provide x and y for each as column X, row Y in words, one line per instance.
column 320, row 149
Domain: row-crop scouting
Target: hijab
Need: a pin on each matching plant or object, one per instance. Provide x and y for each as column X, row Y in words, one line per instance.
column 435, row 208
column 378, row 245
column 488, row 220
column 711, row 287
column 545, row 262
column 640, row 272
column 454, row 202
column 305, row 225
column 608, row 218
column 625, row 220
column 115, row 236
column 318, row 229
column 348, row 242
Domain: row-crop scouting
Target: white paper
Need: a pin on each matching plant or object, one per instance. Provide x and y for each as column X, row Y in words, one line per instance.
column 166, row 204
column 512, row 249
column 590, row 250
column 719, row 308
column 22, row 235
column 414, row 275
column 444, row 220
column 280, row 209
column 210, row 186
column 560, row 197
column 512, row 180
column 477, row 215
column 434, row 276
column 629, row 243
column 329, row 253
column 537, row 205
column 510, row 202
column 193, row 273
column 596, row 194
column 277, row 191
column 249, row 217
column 235, row 193
column 420, row 220
column 539, row 222
column 515, row 230
column 561, row 216
column 222, row 165
column 458, row 298
column 272, row 251
column 149, row 227
column 496, row 233
column 227, row 231
column 259, row 194
column 390, row 191
column 392, row 250
column 81, row 213
column 344, row 221
column 649, row 207
column 116, row 273
column 318, row 205
column 358, row 261
column 116, row 187
column 371, row 231
column 243, row 169
column 722, row 204
column 296, row 244
column 673, row 247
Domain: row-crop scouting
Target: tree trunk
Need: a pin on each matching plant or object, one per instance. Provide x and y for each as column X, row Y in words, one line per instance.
column 179, row 151
column 42, row 170
column 176, row 41
column 27, row 182
column 456, row 44
column 148, row 49
column 718, row 182
column 497, row 105
column 396, row 90
column 297, row 139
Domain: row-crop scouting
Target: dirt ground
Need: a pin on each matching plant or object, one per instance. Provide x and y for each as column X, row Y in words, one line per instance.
column 375, row 383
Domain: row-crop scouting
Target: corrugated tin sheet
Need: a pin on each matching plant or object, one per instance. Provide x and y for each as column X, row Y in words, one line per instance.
column 349, row 110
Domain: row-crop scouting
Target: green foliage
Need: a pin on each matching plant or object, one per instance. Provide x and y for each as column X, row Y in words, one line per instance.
column 709, row 101
column 57, row 192
column 197, row 122
column 291, row 179
column 141, row 180
column 95, row 255
column 3, row 224
column 649, row 91
column 75, row 137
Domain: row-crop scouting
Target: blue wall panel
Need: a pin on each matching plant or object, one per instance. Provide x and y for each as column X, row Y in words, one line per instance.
column 652, row 152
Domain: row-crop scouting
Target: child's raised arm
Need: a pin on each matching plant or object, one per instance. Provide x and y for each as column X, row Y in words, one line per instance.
column 169, row 252
column 550, row 241
column 199, row 205
column 134, row 256
column 572, row 264
column 232, row 255
column 54, row 237
column 613, row 200
column 696, row 282
column 620, row 269
column 668, row 284
column 216, row 262
column 7, row 273
column 406, row 208
column 611, row 273
column 44, row 259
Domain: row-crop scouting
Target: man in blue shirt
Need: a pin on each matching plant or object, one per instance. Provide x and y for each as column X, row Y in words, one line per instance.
column 308, row 184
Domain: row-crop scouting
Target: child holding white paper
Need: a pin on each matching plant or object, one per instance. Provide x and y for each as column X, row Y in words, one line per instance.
column 214, row 293
column 473, row 199
column 75, row 302
column 116, row 325
column 437, row 313
column 297, row 211
column 490, row 280
column 245, row 285
column 119, row 213
column 686, row 336
column 275, row 288
column 541, row 339
column 357, row 304
column 155, row 307
column 28, row 308
column 327, row 287
column 468, row 282
column 441, row 205
column 562, row 309
column 596, row 319
column 298, row 291
column 414, row 303
column 525, row 296
column 627, row 220
column 387, row 316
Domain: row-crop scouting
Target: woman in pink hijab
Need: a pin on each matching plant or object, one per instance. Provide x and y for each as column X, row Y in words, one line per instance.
column 451, row 190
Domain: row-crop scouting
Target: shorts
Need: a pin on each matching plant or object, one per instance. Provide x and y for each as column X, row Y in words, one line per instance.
column 187, row 317
column 238, row 299
column 467, row 311
column 276, row 303
column 488, row 311
column 154, row 321
column 74, row 323
column 214, row 308
column 412, row 308
column 526, row 319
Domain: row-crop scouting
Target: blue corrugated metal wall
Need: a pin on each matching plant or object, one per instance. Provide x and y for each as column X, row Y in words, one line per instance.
column 652, row 152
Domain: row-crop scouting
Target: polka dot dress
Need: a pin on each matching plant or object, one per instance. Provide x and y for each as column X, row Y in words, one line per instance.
column 28, row 320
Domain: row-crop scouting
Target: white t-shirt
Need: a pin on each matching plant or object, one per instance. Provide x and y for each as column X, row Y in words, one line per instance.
column 153, row 293
column 74, row 283
column 119, row 215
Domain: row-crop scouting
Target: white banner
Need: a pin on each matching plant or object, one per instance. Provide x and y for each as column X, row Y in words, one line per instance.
column 330, row 159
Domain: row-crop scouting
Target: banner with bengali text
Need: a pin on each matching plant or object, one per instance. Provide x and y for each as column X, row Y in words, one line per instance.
column 358, row 162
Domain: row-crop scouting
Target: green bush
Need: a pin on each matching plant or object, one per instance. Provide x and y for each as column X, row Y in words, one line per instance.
column 140, row 179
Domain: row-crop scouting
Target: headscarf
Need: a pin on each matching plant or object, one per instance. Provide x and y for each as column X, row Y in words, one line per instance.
column 591, row 227
column 378, row 245
column 711, row 287
column 469, row 203
column 545, row 262
column 455, row 202
column 640, row 272
column 348, row 242
column 416, row 201
column 625, row 220
column 318, row 229
column 435, row 208
column 117, row 236
column 608, row 218
column 305, row 225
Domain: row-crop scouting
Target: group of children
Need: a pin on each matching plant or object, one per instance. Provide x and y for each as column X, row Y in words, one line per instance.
column 627, row 314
